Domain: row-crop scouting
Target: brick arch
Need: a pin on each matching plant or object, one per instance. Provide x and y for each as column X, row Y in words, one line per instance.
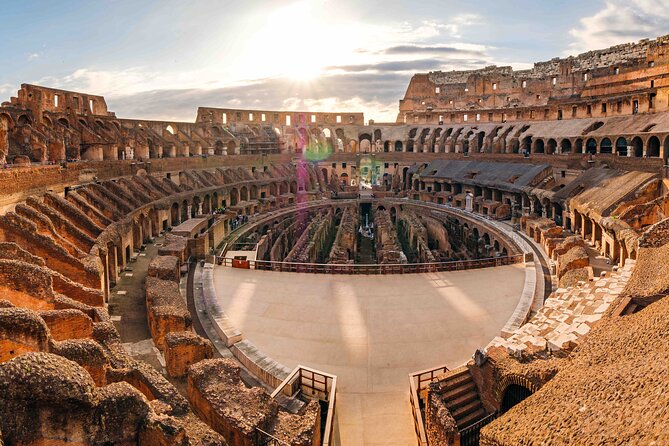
column 507, row 380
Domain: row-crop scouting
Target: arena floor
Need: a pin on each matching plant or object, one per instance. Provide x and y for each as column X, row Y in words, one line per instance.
column 370, row 331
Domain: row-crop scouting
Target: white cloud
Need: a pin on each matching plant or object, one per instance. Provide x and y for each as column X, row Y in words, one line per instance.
column 33, row 56
column 620, row 21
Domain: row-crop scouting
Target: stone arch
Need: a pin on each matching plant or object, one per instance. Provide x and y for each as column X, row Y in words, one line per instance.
column 399, row 146
column 206, row 204
column 195, row 207
column 637, row 146
column 578, row 146
column 621, row 146
column 526, row 144
column 653, row 147
column 538, row 146
column 565, row 145
column 591, row 146
column 234, row 196
column 244, row 193
column 254, row 192
column 480, row 137
column 507, row 380
column 512, row 395
column 23, row 120
column 64, row 122
column 605, row 146
column 552, row 145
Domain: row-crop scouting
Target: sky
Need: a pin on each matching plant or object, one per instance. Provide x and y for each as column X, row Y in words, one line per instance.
column 161, row 59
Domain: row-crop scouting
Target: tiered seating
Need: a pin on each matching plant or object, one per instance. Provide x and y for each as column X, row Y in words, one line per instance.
column 567, row 316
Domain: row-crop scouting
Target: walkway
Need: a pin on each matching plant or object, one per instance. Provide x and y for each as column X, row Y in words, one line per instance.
column 371, row 331
column 127, row 308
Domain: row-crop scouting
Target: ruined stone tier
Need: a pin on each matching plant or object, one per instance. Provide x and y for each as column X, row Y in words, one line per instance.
column 618, row 81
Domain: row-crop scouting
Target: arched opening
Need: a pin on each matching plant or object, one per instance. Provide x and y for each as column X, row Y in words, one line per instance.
column 169, row 129
column 591, row 146
column 526, row 145
column 398, row 146
column 538, row 146
column 386, row 146
column 621, row 147
column 552, row 144
column 666, row 149
column 23, row 120
column 344, row 179
column 479, row 141
column 513, row 395
column 219, row 148
column 206, row 205
column 234, row 196
column 174, row 214
column 653, row 147
column 254, row 192
column 232, row 147
column 605, row 146
column 195, row 207
column 324, row 171
column 244, row 194
column 578, row 146
column 64, row 122
column 637, row 145
column 565, row 146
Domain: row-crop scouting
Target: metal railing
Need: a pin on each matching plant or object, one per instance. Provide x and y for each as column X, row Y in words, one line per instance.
column 418, row 382
column 470, row 435
column 265, row 439
column 316, row 385
column 378, row 268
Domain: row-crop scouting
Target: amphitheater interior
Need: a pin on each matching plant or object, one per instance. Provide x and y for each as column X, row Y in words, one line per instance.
column 544, row 188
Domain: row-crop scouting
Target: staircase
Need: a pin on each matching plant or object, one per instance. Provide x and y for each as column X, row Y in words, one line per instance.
column 462, row 398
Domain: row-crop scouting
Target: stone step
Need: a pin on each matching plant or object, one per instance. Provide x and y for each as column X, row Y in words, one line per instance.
column 457, row 392
column 457, row 380
column 466, row 409
column 462, row 400
column 471, row 418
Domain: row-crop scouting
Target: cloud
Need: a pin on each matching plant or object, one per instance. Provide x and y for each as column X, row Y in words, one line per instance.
column 620, row 21
column 33, row 56
column 434, row 49
column 432, row 28
column 375, row 94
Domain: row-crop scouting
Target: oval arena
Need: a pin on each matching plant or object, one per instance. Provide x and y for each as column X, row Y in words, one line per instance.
column 488, row 274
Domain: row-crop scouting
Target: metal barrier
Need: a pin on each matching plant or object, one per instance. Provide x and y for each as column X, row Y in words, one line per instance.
column 313, row 384
column 418, row 382
column 470, row 435
column 378, row 268
column 265, row 439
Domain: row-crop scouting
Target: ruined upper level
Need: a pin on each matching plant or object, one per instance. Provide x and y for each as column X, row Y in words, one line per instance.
column 620, row 80
column 272, row 117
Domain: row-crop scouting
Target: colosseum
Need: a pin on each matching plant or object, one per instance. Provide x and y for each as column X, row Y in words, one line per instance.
column 490, row 269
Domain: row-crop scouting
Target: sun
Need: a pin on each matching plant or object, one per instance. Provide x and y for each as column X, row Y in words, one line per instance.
column 294, row 42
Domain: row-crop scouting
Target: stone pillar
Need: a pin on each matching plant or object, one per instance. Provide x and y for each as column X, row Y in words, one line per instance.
column 199, row 208
column 190, row 208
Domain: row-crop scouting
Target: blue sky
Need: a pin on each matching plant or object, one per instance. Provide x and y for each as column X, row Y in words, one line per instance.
column 162, row 59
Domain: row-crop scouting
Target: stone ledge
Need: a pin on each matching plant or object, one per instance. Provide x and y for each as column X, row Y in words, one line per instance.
column 228, row 332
